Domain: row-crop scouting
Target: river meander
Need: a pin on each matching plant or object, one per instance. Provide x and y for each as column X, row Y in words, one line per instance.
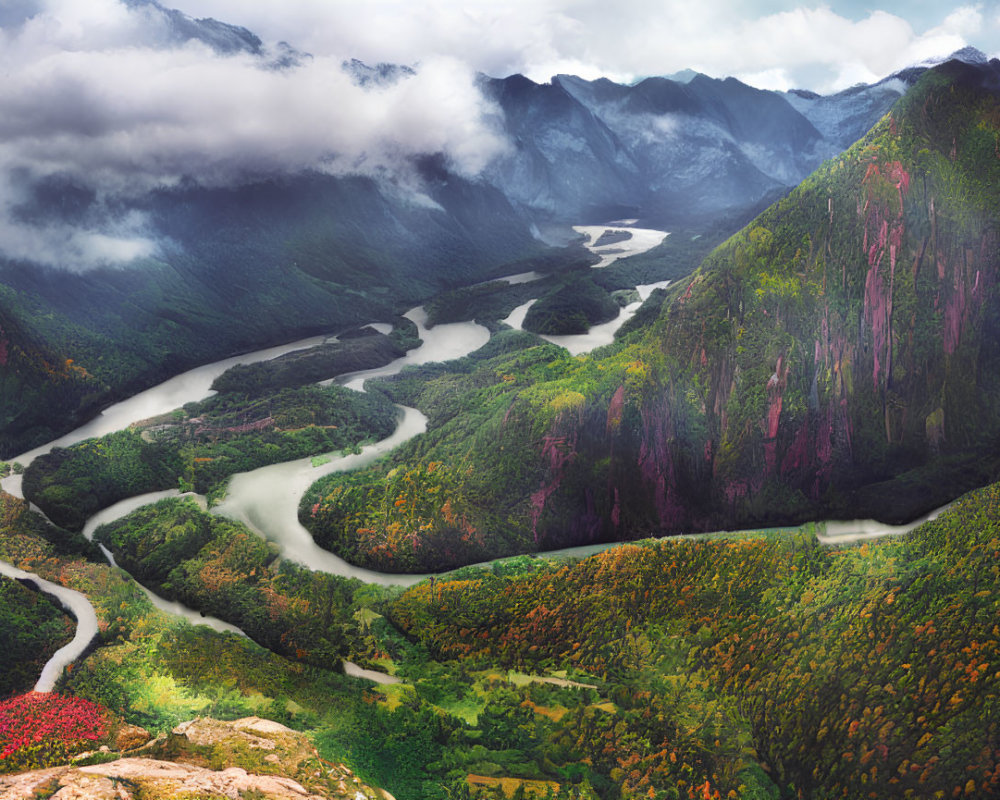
column 77, row 605
column 267, row 499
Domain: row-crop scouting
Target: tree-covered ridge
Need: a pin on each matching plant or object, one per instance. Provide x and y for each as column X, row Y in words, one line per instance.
column 33, row 629
column 442, row 732
column 353, row 352
column 533, row 734
column 838, row 351
column 847, row 335
column 39, row 382
column 155, row 670
column 867, row 672
column 571, row 308
column 455, row 495
column 200, row 446
column 224, row 569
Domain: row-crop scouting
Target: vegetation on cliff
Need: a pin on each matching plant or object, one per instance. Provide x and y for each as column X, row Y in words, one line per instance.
column 836, row 358
column 571, row 308
column 741, row 667
column 867, row 672
column 838, row 354
column 226, row 570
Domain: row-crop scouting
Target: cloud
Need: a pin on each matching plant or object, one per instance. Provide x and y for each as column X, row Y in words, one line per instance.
column 819, row 45
column 114, row 96
column 74, row 248
column 103, row 96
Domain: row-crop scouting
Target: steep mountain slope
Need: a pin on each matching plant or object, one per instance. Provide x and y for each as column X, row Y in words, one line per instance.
column 669, row 152
column 275, row 252
column 179, row 27
column 846, row 116
column 839, row 357
column 706, row 146
column 240, row 268
column 688, row 148
column 847, row 336
column 674, row 152
column 566, row 164
column 38, row 383
column 860, row 672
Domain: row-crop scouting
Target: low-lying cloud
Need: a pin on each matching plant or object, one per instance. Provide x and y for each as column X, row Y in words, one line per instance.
column 115, row 96
column 825, row 45
column 103, row 95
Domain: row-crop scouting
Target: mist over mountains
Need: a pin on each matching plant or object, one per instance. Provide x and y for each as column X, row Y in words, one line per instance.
column 171, row 187
column 118, row 101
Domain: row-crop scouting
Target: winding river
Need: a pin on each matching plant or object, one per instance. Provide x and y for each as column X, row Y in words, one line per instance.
column 267, row 499
column 195, row 384
column 124, row 508
column 838, row 532
column 440, row 343
column 77, row 605
column 639, row 240
column 598, row 335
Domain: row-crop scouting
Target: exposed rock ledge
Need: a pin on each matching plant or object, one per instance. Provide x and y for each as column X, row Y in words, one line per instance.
column 203, row 758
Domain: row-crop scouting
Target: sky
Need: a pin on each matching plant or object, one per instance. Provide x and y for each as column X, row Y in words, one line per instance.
column 103, row 95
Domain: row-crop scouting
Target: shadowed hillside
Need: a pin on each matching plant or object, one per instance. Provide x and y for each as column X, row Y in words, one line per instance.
column 838, row 357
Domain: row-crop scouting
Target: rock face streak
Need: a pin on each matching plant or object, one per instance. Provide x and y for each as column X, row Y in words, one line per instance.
column 835, row 358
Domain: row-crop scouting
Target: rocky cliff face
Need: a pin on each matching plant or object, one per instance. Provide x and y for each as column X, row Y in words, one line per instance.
column 677, row 151
column 673, row 151
column 705, row 146
column 838, row 356
column 249, row 757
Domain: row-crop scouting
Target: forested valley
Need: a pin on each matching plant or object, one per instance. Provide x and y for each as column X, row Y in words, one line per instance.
column 835, row 358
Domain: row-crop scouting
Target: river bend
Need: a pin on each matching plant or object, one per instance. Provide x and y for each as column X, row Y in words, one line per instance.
column 77, row 605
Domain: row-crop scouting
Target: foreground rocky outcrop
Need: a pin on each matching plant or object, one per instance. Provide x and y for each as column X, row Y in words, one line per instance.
column 249, row 757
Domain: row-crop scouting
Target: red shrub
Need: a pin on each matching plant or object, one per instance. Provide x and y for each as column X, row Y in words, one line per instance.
column 39, row 729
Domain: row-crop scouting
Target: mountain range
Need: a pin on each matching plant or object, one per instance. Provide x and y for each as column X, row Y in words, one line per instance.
column 820, row 339
column 835, row 358
column 341, row 250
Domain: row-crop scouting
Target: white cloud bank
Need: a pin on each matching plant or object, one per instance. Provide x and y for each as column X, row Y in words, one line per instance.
column 823, row 46
column 104, row 92
column 99, row 94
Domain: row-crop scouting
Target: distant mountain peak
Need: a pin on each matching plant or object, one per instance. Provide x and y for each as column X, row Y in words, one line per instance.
column 381, row 74
column 968, row 55
column 683, row 76
column 220, row 36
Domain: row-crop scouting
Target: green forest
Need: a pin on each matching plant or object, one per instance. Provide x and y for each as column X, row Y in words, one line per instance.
column 34, row 628
column 838, row 351
column 198, row 447
column 752, row 665
column 835, row 359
